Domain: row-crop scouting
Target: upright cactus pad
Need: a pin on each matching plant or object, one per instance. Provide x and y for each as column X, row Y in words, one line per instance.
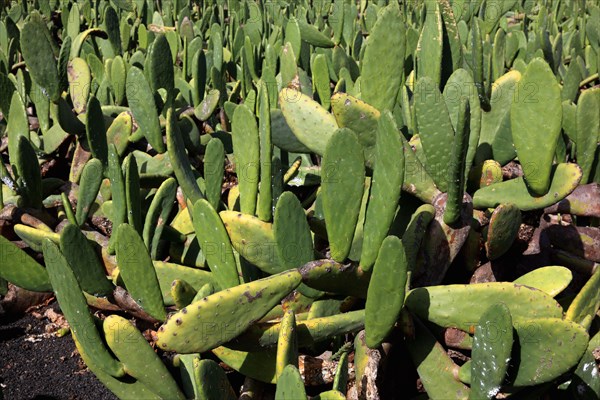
column 536, row 117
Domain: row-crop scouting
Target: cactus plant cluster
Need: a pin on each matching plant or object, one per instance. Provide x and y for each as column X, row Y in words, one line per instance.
column 328, row 197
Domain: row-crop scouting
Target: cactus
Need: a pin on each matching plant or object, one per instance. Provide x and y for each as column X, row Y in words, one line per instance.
column 91, row 178
column 343, row 182
column 74, row 307
column 588, row 130
column 137, row 272
column 429, row 48
column 435, row 367
column 240, row 314
column 533, row 121
column 22, row 270
column 385, row 296
column 84, row 262
column 359, row 116
column 456, row 171
column 169, row 272
column 503, row 230
column 586, row 303
column 253, row 239
column 96, row 131
column 551, row 280
column 79, row 78
column 141, row 101
column 462, row 306
column 211, row 381
column 312, row 124
column 158, row 214
column 138, row 358
column 246, row 145
column 290, row 385
column 39, row 57
column 491, row 352
column 215, row 244
column 380, row 88
column 565, row 179
column 287, row 344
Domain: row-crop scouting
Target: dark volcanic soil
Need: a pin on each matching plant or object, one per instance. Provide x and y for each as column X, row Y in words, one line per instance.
column 35, row 365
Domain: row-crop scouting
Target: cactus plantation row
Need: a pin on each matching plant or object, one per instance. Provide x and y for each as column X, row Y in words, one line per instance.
column 320, row 199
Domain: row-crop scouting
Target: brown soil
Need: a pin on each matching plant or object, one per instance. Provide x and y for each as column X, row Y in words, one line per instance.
column 38, row 365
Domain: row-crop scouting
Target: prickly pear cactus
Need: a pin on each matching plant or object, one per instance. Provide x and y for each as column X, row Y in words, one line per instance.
column 291, row 194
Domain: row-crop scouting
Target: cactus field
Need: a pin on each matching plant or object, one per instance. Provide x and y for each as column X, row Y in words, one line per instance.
column 306, row 199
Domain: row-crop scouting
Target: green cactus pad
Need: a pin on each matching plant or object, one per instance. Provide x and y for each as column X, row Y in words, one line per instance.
column 435, row 368
column 311, row 35
column 265, row 200
column 214, row 159
column 380, row 76
column 359, row 116
column 385, row 296
column 181, row 163
column 461, row 306
column 39, row 57
column 309, row 331
column 415, row 232
column 491, row 352
column 320, row 78
column 222, row 316
column 460, row 85
column 327, row 275
column 132, row 193
column 588, row 130
column 74, row 306
column 183, row 293
column 503, row 229
column 123, row 388
column 211, row 381
column 311, row 123
column 119, row 131
column 79, row 77
column 290, row 385
column 143, row 108
column 27, row 172
column 253, row 239
column 287, row 343
column 158, row 214
column 585, row 305
column 551, row 280
column 549, row 347
column 215, row 244
column 158, row 69
column 137, row 271
column 340, row 382
column 258, row 365
column 35, row 237
column 91, row 179
column 430, row 45
column 291, row 232
column 565, row 179
column 343, row 176
column 118, row 78
column 417, row 180
column 18, row 125
column 330, row 395
column 84, row 262
column 282, row 135
column 20, row 269
column 169, row 272
column 536, row 117
column 138, row 358
column 456, row 169
column 96, row 131
column 246, row 146
column 495, row 141
column 435, row 130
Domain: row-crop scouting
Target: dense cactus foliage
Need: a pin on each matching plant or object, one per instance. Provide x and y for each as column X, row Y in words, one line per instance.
column 334, row 199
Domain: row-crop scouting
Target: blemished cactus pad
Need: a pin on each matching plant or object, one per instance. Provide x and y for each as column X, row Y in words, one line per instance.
column 224, row 315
